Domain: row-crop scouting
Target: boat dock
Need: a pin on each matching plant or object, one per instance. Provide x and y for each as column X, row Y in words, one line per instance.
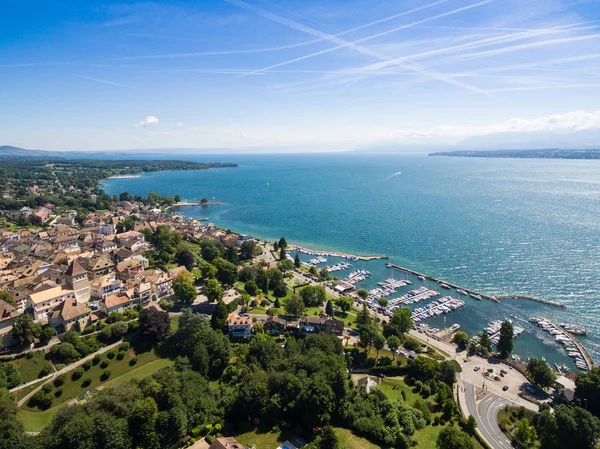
column 439, row 281
column 566, row 334
column 476, row 295
column 311, row 252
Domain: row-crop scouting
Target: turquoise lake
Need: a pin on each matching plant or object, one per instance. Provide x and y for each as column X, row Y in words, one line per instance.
column 498, row 226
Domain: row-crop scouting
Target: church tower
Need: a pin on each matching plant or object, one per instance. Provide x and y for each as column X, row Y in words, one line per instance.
column 77, row 280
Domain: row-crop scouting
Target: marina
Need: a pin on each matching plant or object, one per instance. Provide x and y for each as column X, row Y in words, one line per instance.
column 444, row 305
column 572, row 346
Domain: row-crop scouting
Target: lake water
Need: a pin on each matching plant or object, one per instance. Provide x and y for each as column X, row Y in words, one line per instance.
column 498, row 226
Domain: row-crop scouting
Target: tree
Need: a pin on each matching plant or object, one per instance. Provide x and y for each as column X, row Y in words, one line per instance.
column 177, row 198
column 226, row 271
column 209, row 271
column 345, row 303
column 165, row 304
column 155, row 325
column 525, row 434
column 313, row 270
column 24, row 330
column 588, row 389
column 313, row 295
column 295, row 305
column 505, row 342
column 461, row 339
column 218, row 321
column 125, row 196
column 541, row 373
column 183, row 286
column 297, row 262
column 363, row 317
column 186, row 258
column 280, row 290
column 213, row 290
column 247, row 250
column 393, row 343
column 204, row 200
column 283, row 243
column 323, row 274
column 470, row 425
column 47, row 334
column 485, row 344
column 568, row 427
column 143, row 423
column 210, row 252
column 378, row 342
column 282, row 254
column 329, row 308
column 362, row 293
column 451, row 437
column 285, row 265
column 251, row 288
column 383, row 302
column 423, row 368
column 400, row 322
column 327, row 439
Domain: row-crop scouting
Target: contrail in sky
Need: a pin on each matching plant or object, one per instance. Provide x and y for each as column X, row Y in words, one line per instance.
column 98, row 80
column 358, row 48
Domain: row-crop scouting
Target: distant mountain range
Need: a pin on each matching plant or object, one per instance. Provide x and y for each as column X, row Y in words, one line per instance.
column 9, row 151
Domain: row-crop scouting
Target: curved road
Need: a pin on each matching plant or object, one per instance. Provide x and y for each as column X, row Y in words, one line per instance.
column 486, row 415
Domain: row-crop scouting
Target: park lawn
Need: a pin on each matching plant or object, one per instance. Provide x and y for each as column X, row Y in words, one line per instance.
column 36, row 421
column 20, row 394
column 351, row 441
column 73, row 388
column 197, row 273
column 143, row 371
column 263, row 439
column 174, row 324
column 30, row 367
column 393, row 388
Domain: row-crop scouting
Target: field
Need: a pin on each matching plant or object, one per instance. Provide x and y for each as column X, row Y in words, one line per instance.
column 30, row 367
column 34, row 420
column 72, row 389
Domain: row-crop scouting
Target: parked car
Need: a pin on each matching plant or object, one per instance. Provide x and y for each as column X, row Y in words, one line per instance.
column 477, row 368
column 503, row 371
column 505, row 387
column 412, row 356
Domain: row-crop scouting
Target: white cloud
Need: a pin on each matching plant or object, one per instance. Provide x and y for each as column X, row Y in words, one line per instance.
column 148, row 121
column 177, row 124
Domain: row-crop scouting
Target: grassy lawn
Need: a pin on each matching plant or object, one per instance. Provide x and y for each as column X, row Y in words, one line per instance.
column 393, row 388
column 139, row 373
column 36, row 421
column 351, row 441
column 25, row 391
column 30, row 367
column 174, row 323
column 197, row 273
column 263, row 440
column 73, row 388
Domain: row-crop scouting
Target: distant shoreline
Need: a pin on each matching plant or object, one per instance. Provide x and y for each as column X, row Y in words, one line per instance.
column 124, row 177
column 550, row 153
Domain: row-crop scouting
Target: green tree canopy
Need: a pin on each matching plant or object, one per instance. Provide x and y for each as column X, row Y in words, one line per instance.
column 218, row 321
column 24, row 330
column 313, row 295
column 213, row 290
column 461, row 339
column 295, row 305
column 506, row 340
column 183, row 287
column 541, row 373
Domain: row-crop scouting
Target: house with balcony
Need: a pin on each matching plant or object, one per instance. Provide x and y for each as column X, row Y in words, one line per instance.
column 239, row 325
column 103, row 286
column 45, row 301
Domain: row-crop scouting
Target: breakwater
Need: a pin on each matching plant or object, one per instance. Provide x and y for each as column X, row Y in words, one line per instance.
column 531, row 298
column 309, row 251
column 439, row 281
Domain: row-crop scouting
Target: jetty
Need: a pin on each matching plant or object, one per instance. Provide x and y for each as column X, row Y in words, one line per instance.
column 439, row 281
column 304, row 250
column 193, row 203
column 531, row 298
column 584, row 353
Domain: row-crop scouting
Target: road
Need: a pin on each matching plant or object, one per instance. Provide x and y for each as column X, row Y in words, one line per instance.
column 486, row 415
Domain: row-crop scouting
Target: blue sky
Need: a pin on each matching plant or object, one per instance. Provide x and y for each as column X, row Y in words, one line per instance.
column 294, row 75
